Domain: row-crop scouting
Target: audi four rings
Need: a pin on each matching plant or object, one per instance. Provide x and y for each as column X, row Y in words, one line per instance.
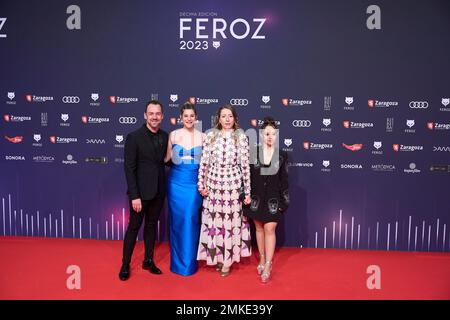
column 418, row 104
column 301, row 123
column 239, row 102
column 127, row 120
column 71, row 99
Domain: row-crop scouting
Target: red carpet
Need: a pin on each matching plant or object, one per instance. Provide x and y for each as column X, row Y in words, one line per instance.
column 35, row 268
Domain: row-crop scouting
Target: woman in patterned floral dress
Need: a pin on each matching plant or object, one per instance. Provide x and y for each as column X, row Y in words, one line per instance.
column 224, row 182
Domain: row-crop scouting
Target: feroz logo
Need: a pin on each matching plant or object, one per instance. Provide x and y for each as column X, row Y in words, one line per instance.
column 173, row 97
column 326, row 163
column 37, row 137
column 445, row 101
column 410, row 123
column 197, row 28
column 326, row 122
column 119, row 138
column 377, row 144
column 94, row 96
column 288, row 142
column 265, row 99
column 2, row 23
column 11, row 95
column 220, row 26
column 349, row 100
column 64, row 117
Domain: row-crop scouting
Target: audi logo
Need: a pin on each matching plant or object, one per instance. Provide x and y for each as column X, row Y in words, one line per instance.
column 71, row 99
column 239, row 102
column 301, row 123
column 418, row 104
column 127, row 120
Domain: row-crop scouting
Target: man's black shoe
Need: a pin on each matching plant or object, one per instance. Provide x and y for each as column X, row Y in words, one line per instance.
column 150, row 265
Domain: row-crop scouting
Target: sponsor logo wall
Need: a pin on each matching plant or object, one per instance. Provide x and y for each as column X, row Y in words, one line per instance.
column 369, row 158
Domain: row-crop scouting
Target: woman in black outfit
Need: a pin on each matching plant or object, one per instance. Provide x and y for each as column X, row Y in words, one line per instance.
column 269, row 194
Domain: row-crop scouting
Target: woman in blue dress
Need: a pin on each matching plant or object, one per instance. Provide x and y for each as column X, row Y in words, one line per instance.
column 184, row 201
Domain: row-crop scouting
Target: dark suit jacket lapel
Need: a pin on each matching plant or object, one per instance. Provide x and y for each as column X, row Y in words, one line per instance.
column 149, row 143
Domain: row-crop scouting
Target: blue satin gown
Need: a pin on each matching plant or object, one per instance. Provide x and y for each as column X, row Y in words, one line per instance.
column 184, row 203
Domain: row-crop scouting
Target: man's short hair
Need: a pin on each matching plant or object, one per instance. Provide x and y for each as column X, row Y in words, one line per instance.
column 154, row 102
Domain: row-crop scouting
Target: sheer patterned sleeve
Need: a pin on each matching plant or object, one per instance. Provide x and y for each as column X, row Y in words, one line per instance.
column 244, row 161
column 204, row 162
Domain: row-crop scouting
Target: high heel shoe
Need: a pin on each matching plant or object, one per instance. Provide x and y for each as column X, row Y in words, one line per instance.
column 265, row 276
column 260, row 267
column 225, row 273
column 219, row 267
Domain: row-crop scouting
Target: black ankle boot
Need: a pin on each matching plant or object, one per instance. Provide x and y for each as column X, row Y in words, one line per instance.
column 150, row 265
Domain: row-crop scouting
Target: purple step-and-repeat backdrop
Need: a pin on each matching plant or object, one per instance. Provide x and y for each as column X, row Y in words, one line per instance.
column 361, row 92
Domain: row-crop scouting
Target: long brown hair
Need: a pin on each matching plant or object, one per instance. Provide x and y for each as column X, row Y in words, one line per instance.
column 218, row 125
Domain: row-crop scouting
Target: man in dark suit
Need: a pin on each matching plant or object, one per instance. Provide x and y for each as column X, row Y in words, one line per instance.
column 145, row 150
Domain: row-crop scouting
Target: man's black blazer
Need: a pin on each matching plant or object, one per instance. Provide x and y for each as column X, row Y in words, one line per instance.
column 144, row 162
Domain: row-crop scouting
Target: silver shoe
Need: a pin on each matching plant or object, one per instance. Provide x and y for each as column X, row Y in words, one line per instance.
column 265, row 276
column 260, row 267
